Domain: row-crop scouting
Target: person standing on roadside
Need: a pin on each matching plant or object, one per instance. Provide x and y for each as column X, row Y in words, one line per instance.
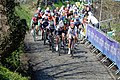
column 93, row 20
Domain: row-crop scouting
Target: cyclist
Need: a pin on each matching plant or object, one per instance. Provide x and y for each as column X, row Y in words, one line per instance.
column 45, row 25
column 60, row 33
column 56, row 19
column 51, row 23
column 47, row 10
column 77, row 24
column 34, row 22
column 72, row 33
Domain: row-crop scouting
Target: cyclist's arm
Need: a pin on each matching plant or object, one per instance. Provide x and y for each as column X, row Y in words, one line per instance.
column 68, row 32
column 54, row 21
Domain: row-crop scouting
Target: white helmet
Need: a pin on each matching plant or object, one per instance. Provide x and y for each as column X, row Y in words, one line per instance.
column 39, row 8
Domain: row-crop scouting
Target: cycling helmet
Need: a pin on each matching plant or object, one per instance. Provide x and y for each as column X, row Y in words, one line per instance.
column 35, row 15
column 39, row 8
column 46, row 18
column 47, row 8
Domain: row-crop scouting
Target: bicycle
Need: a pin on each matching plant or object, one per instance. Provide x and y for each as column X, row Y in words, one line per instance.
column 33, row 32
column 51, row 41
column 60, row 46
column 72, row 50
column 36, row 31
column 44, row 36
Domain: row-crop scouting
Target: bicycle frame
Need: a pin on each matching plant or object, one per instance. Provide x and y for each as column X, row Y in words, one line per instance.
column 45, row 36
column 51, row 41
column 59, row 45
column 72, row 47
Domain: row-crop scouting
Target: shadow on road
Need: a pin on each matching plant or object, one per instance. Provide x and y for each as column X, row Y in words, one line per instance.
column 35, row 47
column 42, row 74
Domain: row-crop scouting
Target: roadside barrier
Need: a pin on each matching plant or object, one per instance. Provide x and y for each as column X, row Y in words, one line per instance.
column 107, row 46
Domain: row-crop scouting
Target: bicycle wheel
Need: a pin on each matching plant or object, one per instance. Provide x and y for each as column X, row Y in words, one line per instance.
column 49, row 40
column 72, row 48
column 34, row 34
column 64, row 47
column 44, row 37
column 52, row 42
column 72, row 52
column 39, row 32
column 59, row 47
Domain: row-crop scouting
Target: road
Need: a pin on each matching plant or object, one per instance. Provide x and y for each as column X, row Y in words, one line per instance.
column 48, row 65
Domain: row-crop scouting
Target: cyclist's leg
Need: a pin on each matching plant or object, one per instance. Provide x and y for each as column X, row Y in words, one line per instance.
column 57, row 39
column 73, row 42
column 50, row 38
column 34, row 32
column 72, row 46
column 69, row 43
column 32, row 29
column 37, row 29
column 47, row 33
column 63, row 39
column 75, row 37
column 59, row 36
column 41, row 31
column 44, row 35
column 51, row 33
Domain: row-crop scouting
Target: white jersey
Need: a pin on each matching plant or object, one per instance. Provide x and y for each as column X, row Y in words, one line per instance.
column 92, row 19
column 72, row 31
column 61, row 24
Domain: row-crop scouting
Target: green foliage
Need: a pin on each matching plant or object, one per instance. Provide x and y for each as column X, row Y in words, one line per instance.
column 24, row 13
column 10, row 54
column 58, row 4
column 6, row 74
column 116, row 27
column 110, row 10
column 15, row 34
column 13, row 61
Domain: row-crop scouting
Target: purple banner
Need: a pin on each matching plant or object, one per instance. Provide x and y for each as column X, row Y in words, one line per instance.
column 107, row 46
column 118, row 57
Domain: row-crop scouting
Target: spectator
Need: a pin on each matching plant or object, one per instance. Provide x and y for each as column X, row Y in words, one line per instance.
column 93, row 20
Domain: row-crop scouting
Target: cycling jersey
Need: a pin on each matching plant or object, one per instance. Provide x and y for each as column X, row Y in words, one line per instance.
column 57, row 20
column 72, row 32
column 60, row 28
column 39, row 16
column 34, row 22
column 51, row 26
column 51, row 23
column 45, row 24
column 77, row 23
